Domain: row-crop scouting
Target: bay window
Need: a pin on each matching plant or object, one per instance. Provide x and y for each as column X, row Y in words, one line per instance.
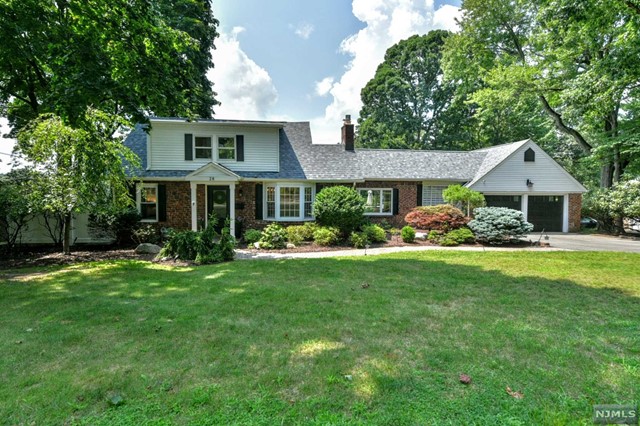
column 288, row 202
column 378, row 201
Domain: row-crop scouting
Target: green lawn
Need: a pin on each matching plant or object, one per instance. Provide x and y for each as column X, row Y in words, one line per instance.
column 302, row 342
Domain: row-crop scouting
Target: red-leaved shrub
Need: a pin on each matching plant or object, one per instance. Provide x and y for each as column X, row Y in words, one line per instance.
column 442, row 217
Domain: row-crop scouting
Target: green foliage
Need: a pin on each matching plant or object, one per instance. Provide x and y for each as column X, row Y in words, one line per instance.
column 115, row 223
column 203, row 247
column 124, row 57
column 145, row 234
column 457, row 237
column 526, row 66
column 498, row 225
column 434, row 235
column 273, row 236
column 359, row 240
column 441, row 217
column 408, row 234
column 463, row 198
column 340, row 207
column 611, row 206
column 407, row 104
column 326, row 236
column 374, row 233
column 299, row 233
column 15, row 207
column 252, row 236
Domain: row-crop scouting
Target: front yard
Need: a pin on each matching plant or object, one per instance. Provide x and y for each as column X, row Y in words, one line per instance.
column 368, row 340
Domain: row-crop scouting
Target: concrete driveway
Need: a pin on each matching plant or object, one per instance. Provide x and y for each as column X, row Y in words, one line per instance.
column 594, row 242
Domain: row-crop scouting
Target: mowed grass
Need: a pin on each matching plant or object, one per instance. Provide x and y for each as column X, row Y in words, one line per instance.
column 368, row 340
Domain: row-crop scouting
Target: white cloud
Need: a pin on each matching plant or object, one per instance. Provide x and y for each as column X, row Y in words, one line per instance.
column 387, row 22
column 324, row 86
column 304, row 30
column 244, row 88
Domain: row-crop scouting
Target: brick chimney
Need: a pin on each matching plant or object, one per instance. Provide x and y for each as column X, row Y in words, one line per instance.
column 348, row 134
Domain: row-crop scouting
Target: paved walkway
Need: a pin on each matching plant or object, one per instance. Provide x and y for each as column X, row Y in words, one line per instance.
column 247, row 254
column 558, row 241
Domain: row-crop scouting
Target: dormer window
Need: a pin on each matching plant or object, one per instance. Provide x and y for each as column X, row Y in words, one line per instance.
column 203, row 147
column 529, row 155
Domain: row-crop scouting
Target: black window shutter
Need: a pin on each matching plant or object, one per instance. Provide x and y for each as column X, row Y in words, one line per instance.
column 258, row 201
column 188, row 147
column 419, row 198
column 162, row 203
column 319, row 188
column 239, row 147
column 396, row 201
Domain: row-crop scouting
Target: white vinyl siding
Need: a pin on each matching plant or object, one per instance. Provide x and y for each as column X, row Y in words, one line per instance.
column 261, row 147
column 511, row 176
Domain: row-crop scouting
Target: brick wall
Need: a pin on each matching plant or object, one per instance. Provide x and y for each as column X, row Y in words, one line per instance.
column 575, row 212
column 408, row 193
column 178, row 205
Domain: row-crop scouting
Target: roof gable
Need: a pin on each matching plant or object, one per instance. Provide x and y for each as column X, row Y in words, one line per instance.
column 212, row 171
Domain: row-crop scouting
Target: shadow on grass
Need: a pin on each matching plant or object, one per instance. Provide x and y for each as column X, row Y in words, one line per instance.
column 362, row 340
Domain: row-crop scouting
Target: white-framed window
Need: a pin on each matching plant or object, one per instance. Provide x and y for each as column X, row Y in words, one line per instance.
column 202, row 147
column 226, row 148
column 147, row 200
column 432, row 195
column 288, row 202
column 378, row 201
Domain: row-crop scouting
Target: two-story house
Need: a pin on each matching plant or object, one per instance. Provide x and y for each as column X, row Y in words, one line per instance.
column 256, row 172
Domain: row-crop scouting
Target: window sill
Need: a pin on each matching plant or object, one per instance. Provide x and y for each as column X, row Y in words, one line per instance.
column 292, row 219
column 149, row 220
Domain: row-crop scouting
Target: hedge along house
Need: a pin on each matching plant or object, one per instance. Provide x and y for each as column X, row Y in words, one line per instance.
column 257, row 172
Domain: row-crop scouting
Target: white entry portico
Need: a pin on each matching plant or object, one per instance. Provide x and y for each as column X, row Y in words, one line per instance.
column 216, row 179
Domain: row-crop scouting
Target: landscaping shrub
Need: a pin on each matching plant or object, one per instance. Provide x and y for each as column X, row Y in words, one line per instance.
column 375, row 233
column 326, row 236
column 203, row 247
column 252, row 236
column 461, row 236
column 359, row 240
column 146, row 234
column 274, row 236
column 340, row 207
column 299, row 233
column 434, row 236
column 497, row 225
column 119, row 224
column 408, row 234
column 442, row 217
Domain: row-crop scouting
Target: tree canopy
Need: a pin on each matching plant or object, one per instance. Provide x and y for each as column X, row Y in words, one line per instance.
column 407, row 104
column 578, row 61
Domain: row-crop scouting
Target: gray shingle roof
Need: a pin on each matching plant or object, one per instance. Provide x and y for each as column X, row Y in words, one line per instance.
column 300, row 159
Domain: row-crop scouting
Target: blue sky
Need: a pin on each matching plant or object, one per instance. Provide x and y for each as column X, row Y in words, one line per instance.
column 305, row 60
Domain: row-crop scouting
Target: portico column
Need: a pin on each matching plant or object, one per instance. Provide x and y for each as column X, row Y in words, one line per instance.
column 194, row 206
column 232, row 208
column 525, row 206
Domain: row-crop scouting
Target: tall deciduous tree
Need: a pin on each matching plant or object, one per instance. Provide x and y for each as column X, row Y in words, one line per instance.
column 407, row 104
column 578, row 60
column 88, row 70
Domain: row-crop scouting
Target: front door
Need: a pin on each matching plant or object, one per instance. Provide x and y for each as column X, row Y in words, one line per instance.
column 218, row 203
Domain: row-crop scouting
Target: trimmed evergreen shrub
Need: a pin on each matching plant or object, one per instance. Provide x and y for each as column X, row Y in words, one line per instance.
column 299, row 233
column 252, row 236
column 326, row 236
column 497, row 225
column 340, row 207
column 375, row 233
column 408, row 234
column 461, row 236
column 359, row 239
column 442, row 217
column 273, row 236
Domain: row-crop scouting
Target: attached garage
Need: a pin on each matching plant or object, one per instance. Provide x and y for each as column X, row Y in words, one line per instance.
column 545, row 212
column 508, row 201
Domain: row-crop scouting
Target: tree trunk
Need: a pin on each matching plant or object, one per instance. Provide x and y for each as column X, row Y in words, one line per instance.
column 606, row 175
column 66, row 243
